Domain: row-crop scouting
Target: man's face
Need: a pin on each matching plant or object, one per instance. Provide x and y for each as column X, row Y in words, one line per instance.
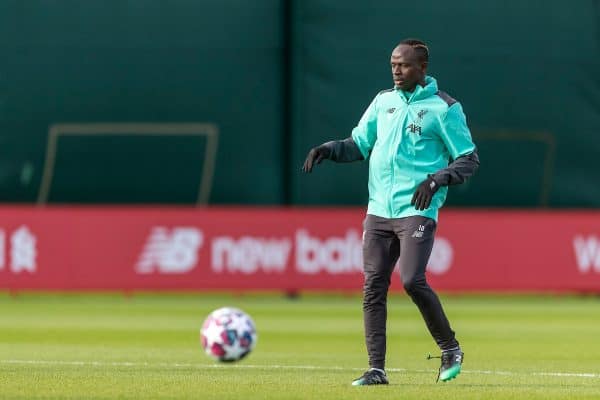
column 407, row 69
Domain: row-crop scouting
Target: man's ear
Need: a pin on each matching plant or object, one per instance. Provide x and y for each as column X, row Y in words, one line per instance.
column 424, row 65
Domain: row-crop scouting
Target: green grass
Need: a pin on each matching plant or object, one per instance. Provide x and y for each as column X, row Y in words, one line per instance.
column 63, row 346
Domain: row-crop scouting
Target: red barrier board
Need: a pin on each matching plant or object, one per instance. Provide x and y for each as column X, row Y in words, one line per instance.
column 130, row 248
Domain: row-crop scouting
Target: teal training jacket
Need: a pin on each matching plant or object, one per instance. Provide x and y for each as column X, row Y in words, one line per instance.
column 405, row 139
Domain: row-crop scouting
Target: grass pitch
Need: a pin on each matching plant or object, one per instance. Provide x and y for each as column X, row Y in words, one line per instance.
column 147, row 347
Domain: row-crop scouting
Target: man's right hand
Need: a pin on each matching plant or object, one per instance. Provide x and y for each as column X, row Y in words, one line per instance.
column 315, row 156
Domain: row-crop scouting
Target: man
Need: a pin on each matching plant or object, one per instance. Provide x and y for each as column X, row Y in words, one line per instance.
column 418, row 143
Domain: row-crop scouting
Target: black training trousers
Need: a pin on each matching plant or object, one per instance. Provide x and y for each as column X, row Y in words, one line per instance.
column 410, row 239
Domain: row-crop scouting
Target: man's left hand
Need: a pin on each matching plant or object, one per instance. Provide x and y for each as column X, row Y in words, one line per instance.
column 424, row 193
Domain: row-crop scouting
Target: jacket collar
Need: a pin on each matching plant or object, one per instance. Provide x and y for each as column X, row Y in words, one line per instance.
column 422, row 92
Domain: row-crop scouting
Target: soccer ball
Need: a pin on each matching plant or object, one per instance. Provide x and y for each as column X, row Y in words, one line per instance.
column 228, row 334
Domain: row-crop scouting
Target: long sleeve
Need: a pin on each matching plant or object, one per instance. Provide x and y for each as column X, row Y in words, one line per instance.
column 455, row 132
column 365, row 132
column 457, row 138
column 344, row 150
column 458, row 171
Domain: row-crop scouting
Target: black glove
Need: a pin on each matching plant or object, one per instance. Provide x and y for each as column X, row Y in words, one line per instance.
column 424, row 193
column 315, row 156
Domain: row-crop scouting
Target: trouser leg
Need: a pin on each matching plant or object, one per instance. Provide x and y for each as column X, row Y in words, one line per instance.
column 416, row 241
column 380, row 253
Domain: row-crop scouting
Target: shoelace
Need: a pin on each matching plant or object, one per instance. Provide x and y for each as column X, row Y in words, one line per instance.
column 375, row 376
column 429, row 357
column 372, row 376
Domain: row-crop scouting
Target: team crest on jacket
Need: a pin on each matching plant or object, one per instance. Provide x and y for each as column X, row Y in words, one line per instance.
column 413, row 127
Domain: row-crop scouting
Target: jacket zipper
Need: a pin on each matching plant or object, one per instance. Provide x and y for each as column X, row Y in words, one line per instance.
column 393, row 158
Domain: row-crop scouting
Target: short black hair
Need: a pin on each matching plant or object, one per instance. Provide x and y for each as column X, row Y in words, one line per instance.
column 419, row 46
